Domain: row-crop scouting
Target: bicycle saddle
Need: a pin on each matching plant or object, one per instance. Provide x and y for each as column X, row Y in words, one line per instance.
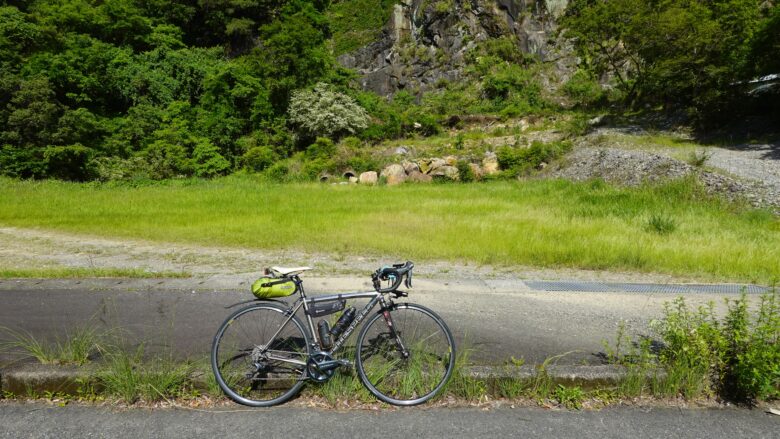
column 286, row 271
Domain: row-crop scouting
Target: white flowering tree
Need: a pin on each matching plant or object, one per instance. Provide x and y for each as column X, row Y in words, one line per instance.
column 323, row 112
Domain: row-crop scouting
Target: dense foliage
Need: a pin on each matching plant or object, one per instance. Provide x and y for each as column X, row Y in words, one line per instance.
column 694, row 53
column 120, row 88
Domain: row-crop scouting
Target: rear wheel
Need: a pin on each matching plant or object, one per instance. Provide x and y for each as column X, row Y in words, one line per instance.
column 409, row 363
column 254, row 369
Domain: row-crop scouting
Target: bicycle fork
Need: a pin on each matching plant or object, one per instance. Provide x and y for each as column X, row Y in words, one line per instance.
column 398, row 342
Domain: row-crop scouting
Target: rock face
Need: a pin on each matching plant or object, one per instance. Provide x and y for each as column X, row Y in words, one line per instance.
column 426, row 41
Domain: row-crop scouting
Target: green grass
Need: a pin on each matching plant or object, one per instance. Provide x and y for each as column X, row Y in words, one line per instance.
column 75, row 347
column 78, row 273
column 538, row 222
column 127, row 376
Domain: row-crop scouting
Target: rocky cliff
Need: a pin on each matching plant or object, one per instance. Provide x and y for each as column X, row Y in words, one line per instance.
column 426, row 41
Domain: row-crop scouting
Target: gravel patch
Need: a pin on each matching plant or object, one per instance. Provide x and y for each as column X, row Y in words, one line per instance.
column 758, row 163
column 33, row 248
column 635, row 167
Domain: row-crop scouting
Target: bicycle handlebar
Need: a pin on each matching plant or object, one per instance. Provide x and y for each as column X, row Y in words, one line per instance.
column 395, row 274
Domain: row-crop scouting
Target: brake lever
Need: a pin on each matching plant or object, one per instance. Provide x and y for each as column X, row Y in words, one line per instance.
column 408, row 281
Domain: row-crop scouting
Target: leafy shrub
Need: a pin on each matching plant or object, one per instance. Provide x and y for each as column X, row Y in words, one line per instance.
column 167, row 160
column 583, row 89
column 117, row 168
column 693, row 348
column 508, row 78
column 325, row 112
column 68, row 162
column 207, row 160
column 752, row 351
column 518, row 161
column 465, row 173
column 258, row 158
column 737, row 356
column 278, row 171
column 322, row 148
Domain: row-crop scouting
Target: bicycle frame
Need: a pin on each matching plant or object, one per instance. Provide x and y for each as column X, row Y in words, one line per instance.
column 305, row 302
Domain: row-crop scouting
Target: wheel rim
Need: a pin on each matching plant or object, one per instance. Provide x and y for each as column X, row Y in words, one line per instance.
column 417, row 378
column 248, row 376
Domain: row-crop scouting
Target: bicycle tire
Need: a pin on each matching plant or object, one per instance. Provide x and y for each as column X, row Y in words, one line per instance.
column 265, row 382
column 405, row 381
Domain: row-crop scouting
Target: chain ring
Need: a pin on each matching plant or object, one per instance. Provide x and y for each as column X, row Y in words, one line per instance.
column 313, row 370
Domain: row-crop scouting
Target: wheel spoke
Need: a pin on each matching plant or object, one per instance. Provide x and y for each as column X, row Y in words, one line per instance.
column 416, row 378
column 270, row 371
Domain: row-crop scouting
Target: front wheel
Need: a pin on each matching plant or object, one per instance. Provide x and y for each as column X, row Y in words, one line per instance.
column 405, row 355
column 259, row 355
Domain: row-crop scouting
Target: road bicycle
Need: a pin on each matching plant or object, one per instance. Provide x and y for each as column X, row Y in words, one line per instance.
column 263, row 353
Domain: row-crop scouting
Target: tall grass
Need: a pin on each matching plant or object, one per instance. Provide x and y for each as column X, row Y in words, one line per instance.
column 128, row 376
column 539, row 223
column 77, row 347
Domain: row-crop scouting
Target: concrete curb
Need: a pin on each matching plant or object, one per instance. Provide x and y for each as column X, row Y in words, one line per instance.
column 586, row 377
column 40, row 379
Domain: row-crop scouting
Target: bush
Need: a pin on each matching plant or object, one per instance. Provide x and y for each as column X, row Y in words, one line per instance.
column 258, row 158
column 278, row 171
column 752, row 349
column 116, row 168
column 519, row 161
column 583, row 89
column 167, row 160
column 325, row 112
column 207, row 160
column 322, row 148
column 465, row 173
column 737, row 356
column 68, row 162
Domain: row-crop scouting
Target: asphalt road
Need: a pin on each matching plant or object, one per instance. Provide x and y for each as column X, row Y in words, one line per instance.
column 36, row 420
column 495, row 319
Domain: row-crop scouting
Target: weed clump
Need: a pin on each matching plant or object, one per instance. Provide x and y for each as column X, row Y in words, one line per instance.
column 698, row 354
column 77, row 347
column 660, row 224
column 523, row 161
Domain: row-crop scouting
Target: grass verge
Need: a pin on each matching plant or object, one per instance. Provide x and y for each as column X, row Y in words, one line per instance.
column 79, row 273
column 547, row 223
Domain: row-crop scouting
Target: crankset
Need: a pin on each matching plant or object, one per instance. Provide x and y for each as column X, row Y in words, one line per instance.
column 321, row 366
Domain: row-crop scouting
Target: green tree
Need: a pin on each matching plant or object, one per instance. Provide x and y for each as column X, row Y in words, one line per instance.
column 325, row 112
column 666, row 52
